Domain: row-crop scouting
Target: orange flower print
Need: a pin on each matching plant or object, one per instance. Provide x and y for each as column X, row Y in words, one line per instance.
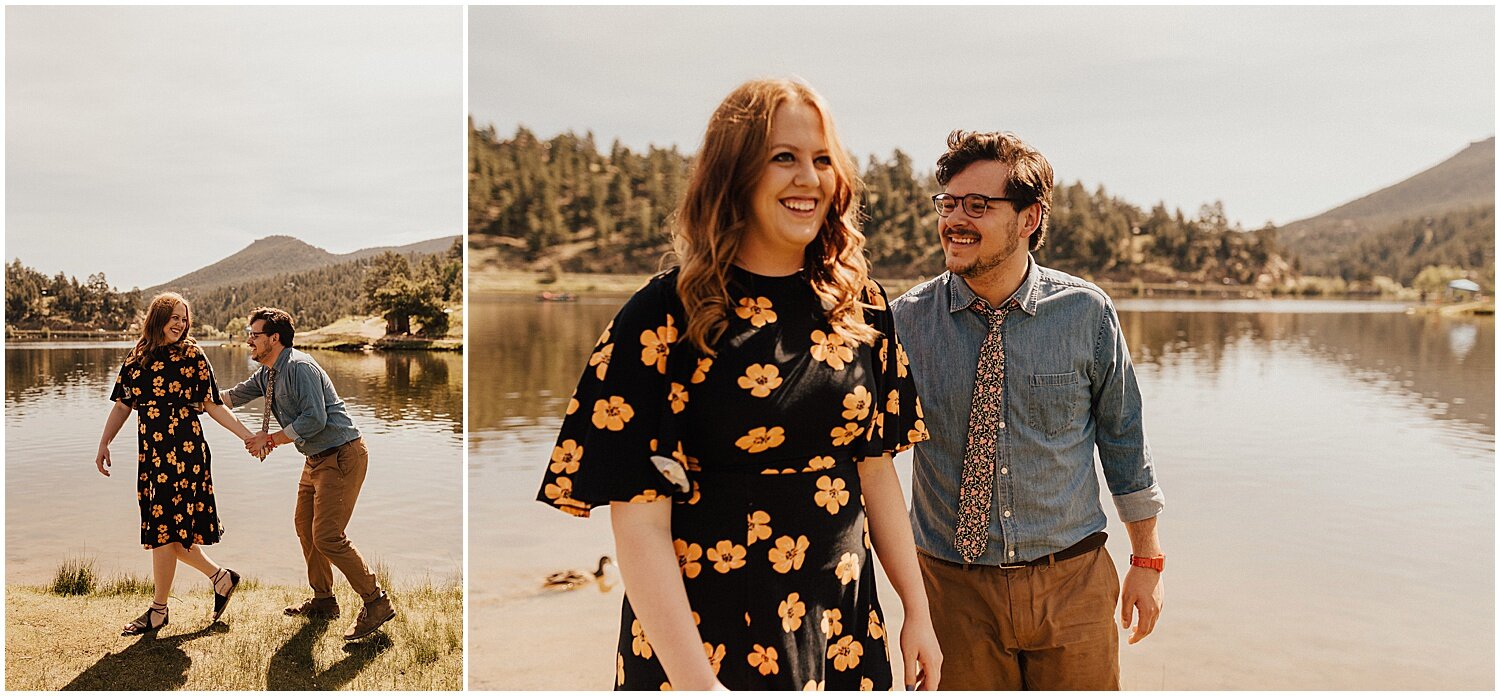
column 813, row 685
column 689, row 463
column 791, row 610
column 560, row 491
column 760, row 379
column 649, row 496
column 701, row 373
column 866, row 684
column 901, row 360
column 156, row 511
column 761, row 439
column 638, row 644
column 918, row 402
column 831, row 494
column 819, row 463
column 655, row 345
column 845, row 434
column 715, row 655
column 727, row 556
column 918, row 433
column 831, row 349
column 154, row 436
column 877, row 631
column 174, row 387
column 612, row 414
column 831, row 623
column 893, row 403
column 604, row 337
column 600, row 359
column 763, row 659
column 877, row 427
column 760, row 527
column 572, row 406
column 157, row 367
column 152, row 412
column 758, row 311
column 161, row 478
column 619, row 670
column 565, row 457
column 789, row 554
column 848, row 569
column 678, row 397
column 857, row 404
column 687, row 557
column 846, row 653
column 883, row 352
column 874, row 296
column 188, row 446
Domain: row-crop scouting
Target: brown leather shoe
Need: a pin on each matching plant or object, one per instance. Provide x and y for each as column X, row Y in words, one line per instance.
column 315, row 608
column 371, row 617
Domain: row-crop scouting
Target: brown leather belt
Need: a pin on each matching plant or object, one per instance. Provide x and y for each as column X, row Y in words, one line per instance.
column 331, row 450
column 1089, row 543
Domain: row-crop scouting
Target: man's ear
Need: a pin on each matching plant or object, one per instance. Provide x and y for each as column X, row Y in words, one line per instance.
column 1031, row 219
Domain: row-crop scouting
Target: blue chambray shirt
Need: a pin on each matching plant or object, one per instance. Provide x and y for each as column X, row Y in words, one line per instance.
column 1069, row 389
column 305, row 404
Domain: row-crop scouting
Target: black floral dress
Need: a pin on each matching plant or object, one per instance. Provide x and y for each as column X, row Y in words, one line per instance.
column 175, row 488
column 758, row 447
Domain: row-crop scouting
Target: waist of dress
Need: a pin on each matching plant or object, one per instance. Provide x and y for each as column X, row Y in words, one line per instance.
column 190, row 406
column 840, row 462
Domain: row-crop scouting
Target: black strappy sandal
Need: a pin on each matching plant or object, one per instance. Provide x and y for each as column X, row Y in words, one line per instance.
column 222, row 600
column 143, row 624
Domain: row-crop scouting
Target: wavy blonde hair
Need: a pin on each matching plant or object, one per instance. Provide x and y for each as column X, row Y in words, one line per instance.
column 154, row 328
column 716, row 211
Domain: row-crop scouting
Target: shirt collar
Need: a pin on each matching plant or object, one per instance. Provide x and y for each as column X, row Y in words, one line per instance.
column 281, row 360
column 961, row 296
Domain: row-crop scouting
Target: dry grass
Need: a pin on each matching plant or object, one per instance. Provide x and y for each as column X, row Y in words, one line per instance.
column 72, row 642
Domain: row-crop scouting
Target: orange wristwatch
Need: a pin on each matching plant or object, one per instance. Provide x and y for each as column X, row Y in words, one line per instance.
column 1156, row 564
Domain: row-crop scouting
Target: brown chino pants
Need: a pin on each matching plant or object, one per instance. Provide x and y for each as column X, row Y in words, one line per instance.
column 1048, row 627
column 325, row 501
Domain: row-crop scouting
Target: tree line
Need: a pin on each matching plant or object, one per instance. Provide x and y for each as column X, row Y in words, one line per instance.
column 562, row 202
column 398, row 287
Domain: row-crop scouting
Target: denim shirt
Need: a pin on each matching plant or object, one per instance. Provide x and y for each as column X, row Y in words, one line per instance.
column 1069, row 389
column 305, row 405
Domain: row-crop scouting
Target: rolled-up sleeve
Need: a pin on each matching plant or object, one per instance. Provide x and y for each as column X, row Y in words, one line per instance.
column 311, row 406
column 1120, row 434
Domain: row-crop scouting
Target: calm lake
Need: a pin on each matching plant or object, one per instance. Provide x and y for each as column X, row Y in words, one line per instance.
column 407, row 405
column 1328, row 469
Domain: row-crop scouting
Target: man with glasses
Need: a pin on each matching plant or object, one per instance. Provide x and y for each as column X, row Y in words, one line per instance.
column 1023, row 373
column 312, row 417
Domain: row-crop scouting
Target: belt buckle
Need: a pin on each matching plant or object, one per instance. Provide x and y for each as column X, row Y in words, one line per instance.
column 1013, row 566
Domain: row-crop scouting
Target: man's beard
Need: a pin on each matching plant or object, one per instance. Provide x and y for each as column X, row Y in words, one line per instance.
column 985, row 264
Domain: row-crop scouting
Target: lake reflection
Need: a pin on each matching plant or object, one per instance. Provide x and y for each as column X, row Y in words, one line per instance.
column 407, row 405
column 1328, row 468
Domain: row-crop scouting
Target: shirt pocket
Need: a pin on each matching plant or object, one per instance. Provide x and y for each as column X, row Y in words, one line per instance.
column 1053, row 401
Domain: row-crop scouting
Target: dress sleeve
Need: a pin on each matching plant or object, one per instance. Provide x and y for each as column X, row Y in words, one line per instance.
column 123, row 387
column 609, row 431
column 205, row 387
column 896, row 423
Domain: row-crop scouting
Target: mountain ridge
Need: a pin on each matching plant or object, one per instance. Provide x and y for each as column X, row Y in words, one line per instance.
column 279, row 254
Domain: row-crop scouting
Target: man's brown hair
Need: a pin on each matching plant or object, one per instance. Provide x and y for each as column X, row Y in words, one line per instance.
column 277, row 321
column 1030, row 178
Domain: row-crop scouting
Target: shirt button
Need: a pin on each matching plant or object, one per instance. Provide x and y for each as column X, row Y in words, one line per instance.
column 1012, row 553
column 1004, row 470
column 1002, row 425
column 1007, row 513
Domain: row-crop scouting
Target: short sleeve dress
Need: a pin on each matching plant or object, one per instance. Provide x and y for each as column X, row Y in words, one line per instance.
column 757, row 446
column 175, row 487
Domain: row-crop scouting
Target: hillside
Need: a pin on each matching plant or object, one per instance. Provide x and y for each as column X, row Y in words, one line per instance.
column 281, row 255
column 1441, row 216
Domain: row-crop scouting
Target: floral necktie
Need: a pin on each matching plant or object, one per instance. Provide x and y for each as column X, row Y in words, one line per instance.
column 986, row 417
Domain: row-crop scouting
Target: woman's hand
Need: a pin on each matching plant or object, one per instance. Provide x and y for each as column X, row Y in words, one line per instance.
column 101, row 460
column 920, row 652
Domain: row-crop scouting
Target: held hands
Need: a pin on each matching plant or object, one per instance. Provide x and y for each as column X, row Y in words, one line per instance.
column 259, row 445
column 1141, row 592
column 101, row 460
column 920, row 652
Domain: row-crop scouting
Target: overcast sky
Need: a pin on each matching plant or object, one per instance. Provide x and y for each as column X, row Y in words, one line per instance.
column 147, row 142
column 1281, row 112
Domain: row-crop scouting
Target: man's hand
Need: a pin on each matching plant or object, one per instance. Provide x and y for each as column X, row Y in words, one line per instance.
column 259, row 445
column 1140, row 593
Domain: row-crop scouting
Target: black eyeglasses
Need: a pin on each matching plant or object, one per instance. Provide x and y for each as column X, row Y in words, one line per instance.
column 974, row 204
column 253, row 334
